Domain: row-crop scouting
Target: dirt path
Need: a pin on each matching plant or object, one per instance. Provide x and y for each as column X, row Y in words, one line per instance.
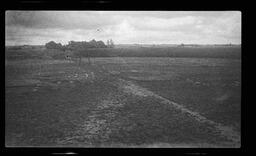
column 226, row 131
column 131, row 88
column 110, row 121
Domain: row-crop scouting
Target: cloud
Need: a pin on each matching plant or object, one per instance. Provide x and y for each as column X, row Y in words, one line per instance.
column 227, row 26
column 153, row 23
column 57, row 19
column 39, row 27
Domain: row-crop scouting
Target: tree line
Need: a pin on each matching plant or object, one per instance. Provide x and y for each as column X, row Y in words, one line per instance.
column 79, row 45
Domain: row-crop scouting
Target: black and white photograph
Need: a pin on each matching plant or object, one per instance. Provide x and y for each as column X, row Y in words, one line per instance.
column 123, row 79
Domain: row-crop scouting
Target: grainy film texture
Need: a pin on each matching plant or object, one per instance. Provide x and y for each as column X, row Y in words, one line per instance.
column 123, row 79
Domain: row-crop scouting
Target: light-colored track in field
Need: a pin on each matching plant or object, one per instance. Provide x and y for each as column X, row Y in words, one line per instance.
column 225, row 131
column 131, row 88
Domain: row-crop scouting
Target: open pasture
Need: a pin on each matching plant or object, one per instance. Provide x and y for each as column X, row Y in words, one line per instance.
column 123, row 102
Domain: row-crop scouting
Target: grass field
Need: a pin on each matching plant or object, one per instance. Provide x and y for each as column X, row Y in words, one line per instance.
column 124, row 102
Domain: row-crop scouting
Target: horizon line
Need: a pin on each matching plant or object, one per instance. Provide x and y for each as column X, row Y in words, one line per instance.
column 146, row 44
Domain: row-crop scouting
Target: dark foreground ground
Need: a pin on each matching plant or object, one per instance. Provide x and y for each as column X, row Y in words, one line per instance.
column 123, row 102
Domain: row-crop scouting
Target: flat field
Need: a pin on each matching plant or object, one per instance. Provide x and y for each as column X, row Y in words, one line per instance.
column 123, row 102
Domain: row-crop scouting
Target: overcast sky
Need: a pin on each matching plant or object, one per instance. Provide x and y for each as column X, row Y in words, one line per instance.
column 124, row 27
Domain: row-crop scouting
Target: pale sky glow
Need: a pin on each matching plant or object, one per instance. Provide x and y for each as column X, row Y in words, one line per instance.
column 124, row 27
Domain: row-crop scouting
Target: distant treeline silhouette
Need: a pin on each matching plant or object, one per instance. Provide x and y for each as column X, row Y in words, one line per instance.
column 79, row 45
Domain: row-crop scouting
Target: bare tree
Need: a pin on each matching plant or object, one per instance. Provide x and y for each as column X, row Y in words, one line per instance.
column 110, row 43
